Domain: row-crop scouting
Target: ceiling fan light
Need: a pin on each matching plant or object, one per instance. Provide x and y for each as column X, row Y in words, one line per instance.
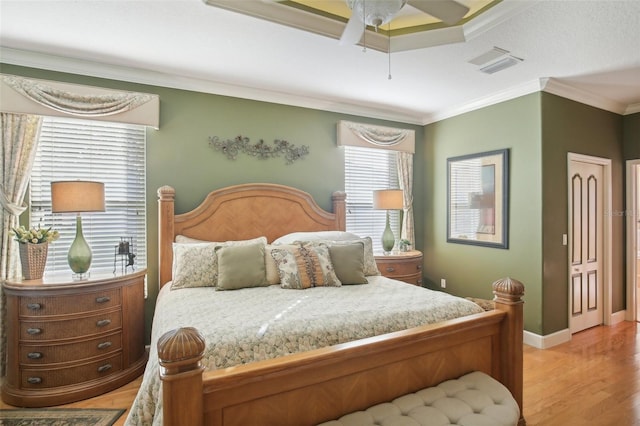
column 376, row 12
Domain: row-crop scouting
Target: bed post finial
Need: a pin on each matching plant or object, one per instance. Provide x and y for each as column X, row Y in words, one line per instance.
column 508, row 294
column 340, row 209
column 166, row 197
column 179, row 354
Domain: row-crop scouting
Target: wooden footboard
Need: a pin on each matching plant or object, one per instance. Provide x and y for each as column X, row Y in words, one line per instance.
column 311, row 387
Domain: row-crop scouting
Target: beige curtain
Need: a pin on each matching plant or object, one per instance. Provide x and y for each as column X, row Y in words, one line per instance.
column 405, row 177
column 19, row 140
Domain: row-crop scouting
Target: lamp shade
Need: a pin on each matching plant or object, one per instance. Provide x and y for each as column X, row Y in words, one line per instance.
column 388, row 199
column 77, row 196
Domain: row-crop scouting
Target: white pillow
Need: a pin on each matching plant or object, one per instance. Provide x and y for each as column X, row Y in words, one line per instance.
column 183, row 239
column 315, row 236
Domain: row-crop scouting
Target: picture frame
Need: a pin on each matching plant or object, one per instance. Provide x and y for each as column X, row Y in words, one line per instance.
column 478, row 199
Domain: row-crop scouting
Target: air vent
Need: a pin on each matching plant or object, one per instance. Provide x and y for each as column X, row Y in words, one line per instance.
column 503, row 63
column 490, row 62
column 489, row 56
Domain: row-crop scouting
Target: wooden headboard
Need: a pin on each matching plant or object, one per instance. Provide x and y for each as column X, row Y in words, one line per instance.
column 242, row 212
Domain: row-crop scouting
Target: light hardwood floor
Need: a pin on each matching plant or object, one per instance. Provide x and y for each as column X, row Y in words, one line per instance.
column 593, row 380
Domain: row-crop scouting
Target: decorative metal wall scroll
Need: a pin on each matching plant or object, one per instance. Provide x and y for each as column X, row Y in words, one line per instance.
column 280, row 148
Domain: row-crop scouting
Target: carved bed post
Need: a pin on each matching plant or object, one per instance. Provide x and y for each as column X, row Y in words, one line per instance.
column 508, row 298
column 179, row 353
column 166, row 197
column 340, row 209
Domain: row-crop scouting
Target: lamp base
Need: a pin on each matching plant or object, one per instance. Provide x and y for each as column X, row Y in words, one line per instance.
column 388, row 239
column 83, row 276
column 79, row 256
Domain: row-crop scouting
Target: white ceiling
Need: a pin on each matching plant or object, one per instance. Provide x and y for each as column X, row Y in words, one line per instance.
column 585, row 50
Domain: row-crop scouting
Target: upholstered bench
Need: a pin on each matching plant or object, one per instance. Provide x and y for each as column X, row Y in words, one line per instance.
column 474, row 399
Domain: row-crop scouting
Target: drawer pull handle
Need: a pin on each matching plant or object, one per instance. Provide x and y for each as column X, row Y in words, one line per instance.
column 33, row 331
column 103, row 299
column 104, row 345
column 34, row 380
column 34, row 355
column 419, row 267
column 390, row 269
column 103, row 322
column 104, row 368
column 34, row 306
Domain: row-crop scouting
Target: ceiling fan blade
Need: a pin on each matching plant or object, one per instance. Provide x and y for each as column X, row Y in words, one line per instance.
column 352, row 31
column 448, row 11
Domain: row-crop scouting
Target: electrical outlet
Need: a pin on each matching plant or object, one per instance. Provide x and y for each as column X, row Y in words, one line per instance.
column 443, row 283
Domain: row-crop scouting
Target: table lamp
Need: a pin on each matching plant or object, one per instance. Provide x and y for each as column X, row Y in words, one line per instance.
column 388, row 199
column 78, row 197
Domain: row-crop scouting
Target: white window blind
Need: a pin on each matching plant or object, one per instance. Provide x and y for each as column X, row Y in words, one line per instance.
column 465, row 182
column 368, row 169
column 112, row 153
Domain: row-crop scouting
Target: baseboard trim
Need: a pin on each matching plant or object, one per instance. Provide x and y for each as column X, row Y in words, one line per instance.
column 548, row 341
column 618, row 317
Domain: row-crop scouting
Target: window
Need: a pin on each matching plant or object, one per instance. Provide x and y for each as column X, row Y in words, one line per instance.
column 368, row 169
column 112, row 153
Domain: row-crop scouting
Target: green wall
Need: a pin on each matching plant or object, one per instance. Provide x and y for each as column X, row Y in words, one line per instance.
column 178, row 153
column 631, row 136
column 470, row 270
column 570, row 126
column 539, row 129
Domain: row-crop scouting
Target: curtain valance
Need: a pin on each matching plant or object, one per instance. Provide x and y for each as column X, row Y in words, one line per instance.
column 370, row 136
column 39, row 97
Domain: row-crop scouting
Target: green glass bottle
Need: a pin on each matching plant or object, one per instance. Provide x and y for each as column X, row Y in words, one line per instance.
column 79, row 256
column 388, row 240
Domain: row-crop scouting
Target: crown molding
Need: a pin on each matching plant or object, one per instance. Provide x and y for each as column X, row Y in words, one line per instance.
column 495, row 98
column 632, row 109
column 154, row 78
column 557, row 87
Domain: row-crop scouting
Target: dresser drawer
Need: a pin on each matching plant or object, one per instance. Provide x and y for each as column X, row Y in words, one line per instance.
column 71, row 304
column 399, row 267
column 32, row 378
column 69, row 328
column 53, row 353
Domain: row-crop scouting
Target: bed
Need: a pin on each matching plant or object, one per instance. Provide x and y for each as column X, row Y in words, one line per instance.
column 263, row 355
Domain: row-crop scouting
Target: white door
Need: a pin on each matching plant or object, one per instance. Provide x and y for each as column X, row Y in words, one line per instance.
column 586, row 245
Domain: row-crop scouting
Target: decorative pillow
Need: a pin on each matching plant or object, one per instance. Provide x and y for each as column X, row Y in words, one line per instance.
column 204, row 265
column 305, row 266
column 241, row 266
column 193, row 265
column 273, row 275
column 370, row 267
column 316, row 236
column 348, row 262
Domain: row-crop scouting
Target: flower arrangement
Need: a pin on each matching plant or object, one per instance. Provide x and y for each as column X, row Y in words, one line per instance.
column 404, row 244
column 35, row 235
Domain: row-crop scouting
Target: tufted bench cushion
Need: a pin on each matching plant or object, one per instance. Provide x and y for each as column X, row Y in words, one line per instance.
column 474, row 399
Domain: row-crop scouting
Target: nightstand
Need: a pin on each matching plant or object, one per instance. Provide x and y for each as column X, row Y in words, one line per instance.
column 402, row 266
column 71, row 340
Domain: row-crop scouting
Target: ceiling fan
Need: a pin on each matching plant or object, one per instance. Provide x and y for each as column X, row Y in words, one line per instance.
column 379, row 12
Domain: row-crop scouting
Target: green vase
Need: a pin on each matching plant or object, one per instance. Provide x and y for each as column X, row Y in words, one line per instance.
column 79, row 256
column 388, row 240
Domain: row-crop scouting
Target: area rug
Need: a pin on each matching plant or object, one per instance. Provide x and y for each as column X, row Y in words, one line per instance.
column 59, row 416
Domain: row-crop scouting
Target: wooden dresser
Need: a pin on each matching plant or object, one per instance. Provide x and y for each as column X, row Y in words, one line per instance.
column 402, row 266
column 71, row 340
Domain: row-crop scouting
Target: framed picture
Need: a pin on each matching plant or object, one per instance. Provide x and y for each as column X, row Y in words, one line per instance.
column 478, row 199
